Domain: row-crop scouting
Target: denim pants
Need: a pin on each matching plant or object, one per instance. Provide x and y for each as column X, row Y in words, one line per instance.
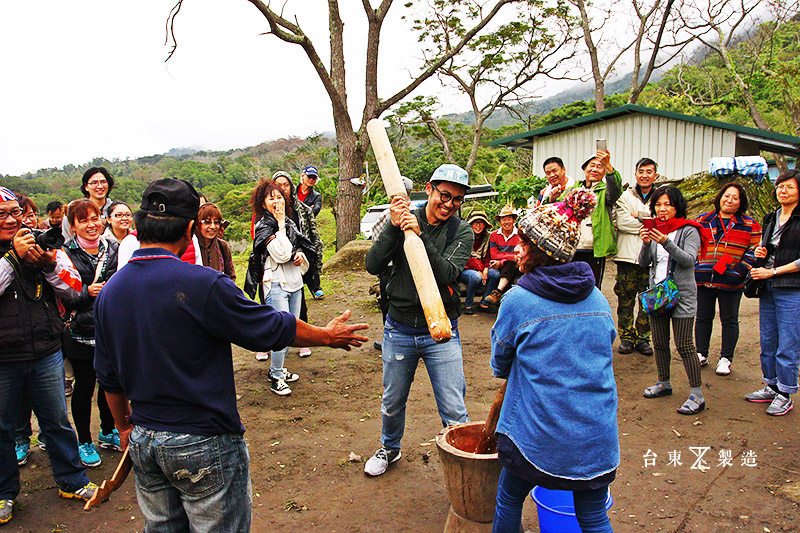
column 780, row 337
column 42, row 380
column 590, row 506
column 492, row 281
column 282, row 301
column 401, row 355
column 729, row 301
column 191, row 482
column 473, row 280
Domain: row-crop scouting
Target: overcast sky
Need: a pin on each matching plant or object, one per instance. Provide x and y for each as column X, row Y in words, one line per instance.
column 88, row 78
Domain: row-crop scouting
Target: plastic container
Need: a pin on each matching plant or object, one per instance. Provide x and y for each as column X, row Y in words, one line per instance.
column 556, row 510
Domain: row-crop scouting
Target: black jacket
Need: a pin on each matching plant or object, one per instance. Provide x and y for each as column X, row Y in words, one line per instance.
column 82, row 322
column 314, row 201
column 788, row 249
column 264, row 230
column 30, row 327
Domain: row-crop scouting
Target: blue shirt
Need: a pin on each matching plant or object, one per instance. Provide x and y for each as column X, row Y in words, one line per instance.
column 164, row 330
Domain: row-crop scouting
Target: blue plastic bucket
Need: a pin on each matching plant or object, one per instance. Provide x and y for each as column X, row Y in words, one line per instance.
column 556, row 510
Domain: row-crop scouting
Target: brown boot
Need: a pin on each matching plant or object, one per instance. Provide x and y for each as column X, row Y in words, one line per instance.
column 494, row 298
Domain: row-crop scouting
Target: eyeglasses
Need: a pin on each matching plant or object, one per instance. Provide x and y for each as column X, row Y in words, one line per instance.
column 311, row 177
column 97, row 183
column 29, row 216
column 447, row 197
column 208, row 222
column 123, row 215
column 15, row 213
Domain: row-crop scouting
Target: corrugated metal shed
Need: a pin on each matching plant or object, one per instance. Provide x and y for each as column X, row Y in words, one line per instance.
column 680, row 144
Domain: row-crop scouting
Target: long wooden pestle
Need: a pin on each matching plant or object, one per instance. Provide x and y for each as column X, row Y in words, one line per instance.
column 488, row 442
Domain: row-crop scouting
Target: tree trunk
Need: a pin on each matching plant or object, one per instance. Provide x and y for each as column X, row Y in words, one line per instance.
column 436, row 130
column 348, row 195
column 599, row 79
column 476, row 141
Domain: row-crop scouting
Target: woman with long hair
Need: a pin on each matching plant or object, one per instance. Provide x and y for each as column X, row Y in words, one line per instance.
column 119, row 221
column 720, row 275
column 95, row 258
column 671, row 249
column 214, row 251
column 553, row 342
column 281, row 255
column 778, row 306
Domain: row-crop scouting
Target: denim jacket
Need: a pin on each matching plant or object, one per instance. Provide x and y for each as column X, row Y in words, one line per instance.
column 560, row 408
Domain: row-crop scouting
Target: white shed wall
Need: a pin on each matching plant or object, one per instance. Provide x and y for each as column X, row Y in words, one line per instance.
column 680, row 148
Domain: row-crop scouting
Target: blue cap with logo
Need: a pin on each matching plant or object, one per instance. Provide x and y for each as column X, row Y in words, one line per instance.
column 452, row 173
column 311, row 170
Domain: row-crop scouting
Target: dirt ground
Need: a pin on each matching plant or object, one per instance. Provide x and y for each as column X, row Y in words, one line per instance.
column 300, row 445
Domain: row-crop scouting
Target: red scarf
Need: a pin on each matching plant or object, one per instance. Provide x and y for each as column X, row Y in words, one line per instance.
column 677, row 223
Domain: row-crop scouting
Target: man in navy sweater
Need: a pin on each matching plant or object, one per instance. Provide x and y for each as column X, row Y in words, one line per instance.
column 164, row 334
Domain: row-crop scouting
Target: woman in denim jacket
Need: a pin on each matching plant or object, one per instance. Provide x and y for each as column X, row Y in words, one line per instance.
column 558, row 425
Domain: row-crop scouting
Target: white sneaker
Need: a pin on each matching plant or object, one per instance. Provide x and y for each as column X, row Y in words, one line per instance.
column 703, row 359
column 288, row 377
column 262, row 356
column 723, row 367
column 378, row 463
column 279, row 387
column 305, row 352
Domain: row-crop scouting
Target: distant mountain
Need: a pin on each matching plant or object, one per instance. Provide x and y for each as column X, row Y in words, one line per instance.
column 542, row 106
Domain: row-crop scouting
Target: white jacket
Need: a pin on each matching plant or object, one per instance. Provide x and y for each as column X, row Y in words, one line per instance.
column 628, row 241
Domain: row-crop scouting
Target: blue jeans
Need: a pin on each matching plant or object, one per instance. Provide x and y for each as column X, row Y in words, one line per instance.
column 401, row 355
column 590, row 506
column 779, row 322
column 473, row 279
column 492, row 281
column 196, row 480
column 42, row 381
column 282, row 301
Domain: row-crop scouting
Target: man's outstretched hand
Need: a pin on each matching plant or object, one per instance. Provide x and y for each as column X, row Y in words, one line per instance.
column 342, row 334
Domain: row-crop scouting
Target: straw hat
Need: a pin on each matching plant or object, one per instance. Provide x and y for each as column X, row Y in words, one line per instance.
column 479, row 216
column 507, row 210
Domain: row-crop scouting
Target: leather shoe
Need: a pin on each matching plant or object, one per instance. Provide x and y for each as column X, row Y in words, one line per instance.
column 625, row 347
column 644, row 348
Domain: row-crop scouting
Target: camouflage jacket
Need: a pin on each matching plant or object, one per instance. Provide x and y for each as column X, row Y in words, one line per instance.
column 308, row 227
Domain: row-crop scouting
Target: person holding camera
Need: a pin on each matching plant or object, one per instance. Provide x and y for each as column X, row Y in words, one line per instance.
column 598, row 237
column 31, row 280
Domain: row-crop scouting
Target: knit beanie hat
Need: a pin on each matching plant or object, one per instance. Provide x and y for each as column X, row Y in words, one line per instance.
column 555, row 228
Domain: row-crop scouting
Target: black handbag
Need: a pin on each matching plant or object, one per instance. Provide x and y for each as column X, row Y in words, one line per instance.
column 753, row 288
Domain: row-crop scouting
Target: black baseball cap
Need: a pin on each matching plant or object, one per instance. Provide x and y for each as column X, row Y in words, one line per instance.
column 171, row 197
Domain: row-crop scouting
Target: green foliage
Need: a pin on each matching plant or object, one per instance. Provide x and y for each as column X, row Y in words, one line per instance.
column 518, row 191
column 769, row 63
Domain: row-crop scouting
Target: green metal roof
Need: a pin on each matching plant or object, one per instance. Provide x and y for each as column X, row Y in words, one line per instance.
column 521, row 139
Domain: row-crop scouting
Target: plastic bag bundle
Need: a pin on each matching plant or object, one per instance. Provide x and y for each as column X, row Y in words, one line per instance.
column 753, row 166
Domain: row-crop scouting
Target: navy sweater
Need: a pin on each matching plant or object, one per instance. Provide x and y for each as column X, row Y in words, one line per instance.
column 164, row 330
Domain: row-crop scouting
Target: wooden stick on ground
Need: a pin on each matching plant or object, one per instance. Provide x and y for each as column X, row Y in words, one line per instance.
column 108, row 486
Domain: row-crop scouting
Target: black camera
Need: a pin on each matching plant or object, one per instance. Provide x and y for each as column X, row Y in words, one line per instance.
column 50, row 239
